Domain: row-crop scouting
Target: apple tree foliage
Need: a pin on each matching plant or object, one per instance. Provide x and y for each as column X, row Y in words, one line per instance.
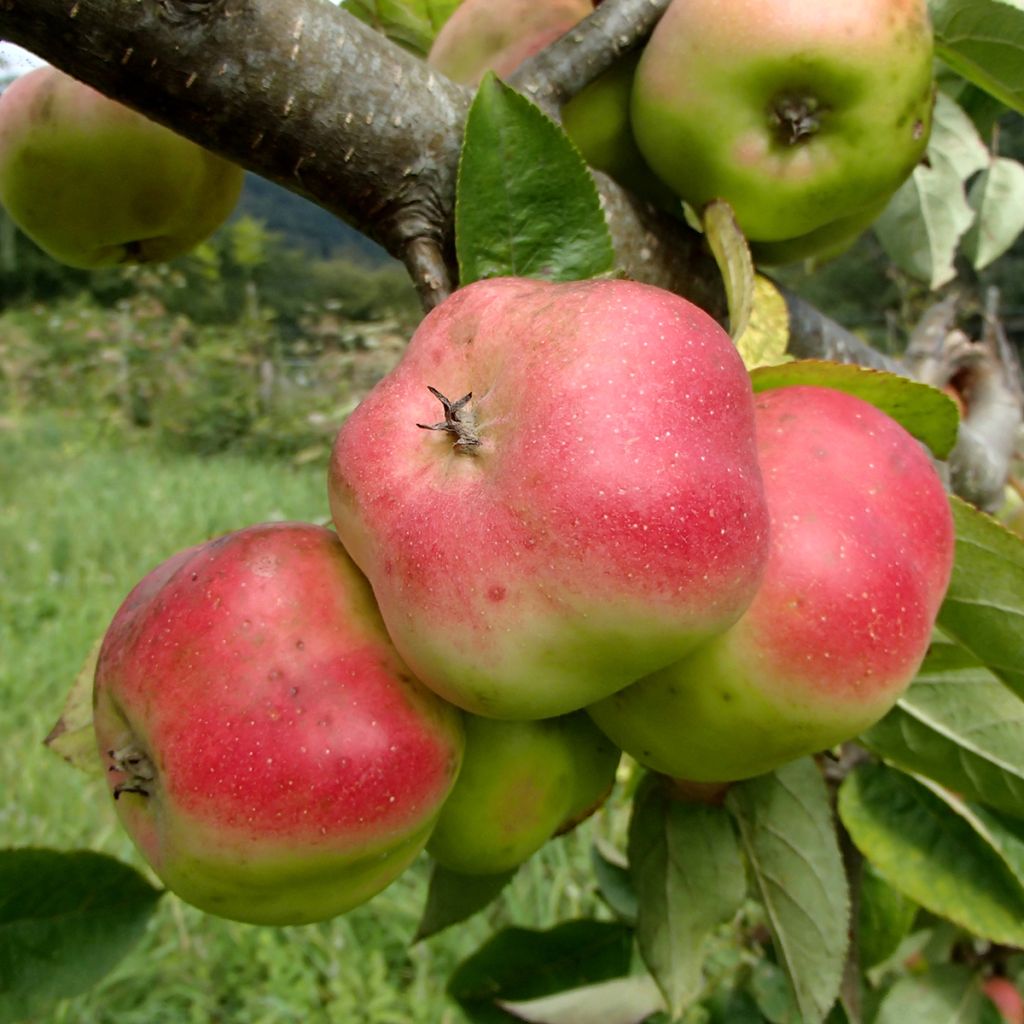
column 877, row 882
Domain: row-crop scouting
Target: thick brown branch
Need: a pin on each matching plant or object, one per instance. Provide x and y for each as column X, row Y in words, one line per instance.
column 300, row 92
column 557, row 73
column 986, row 376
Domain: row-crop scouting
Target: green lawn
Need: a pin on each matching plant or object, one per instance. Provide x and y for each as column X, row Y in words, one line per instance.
column 82, row 517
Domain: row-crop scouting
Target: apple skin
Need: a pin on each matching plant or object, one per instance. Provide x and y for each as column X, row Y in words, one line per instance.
column 824, row 243
column 597, row 121
column 609, row 519
column 94, row 183
column 498, row 35
column 291, row 767
column 1006, row 997
column 861, row 554
column 797, row 114
column 521, row 783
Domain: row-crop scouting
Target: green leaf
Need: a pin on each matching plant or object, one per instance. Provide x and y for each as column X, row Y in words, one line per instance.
column 688, row 873
column 789, row 835
column 958, row 724
column 629, row 1000
column 932, row 854
column 983, row 40
column 732, row 254
column 773, row 994
column 1004, row 834
column 948, row 994
column 924, row 412
column 984, row 606
column 453, row 897
column 73, row 737
column 526, row 204
column 521, row 964
column 66, row 919
column 611, row 872
column 884, row 917
column 955, row 139
column 924, row 221
column 412, row 23
column 997, row 197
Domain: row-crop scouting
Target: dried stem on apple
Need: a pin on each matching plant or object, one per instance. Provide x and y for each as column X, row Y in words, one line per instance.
column 458, row 421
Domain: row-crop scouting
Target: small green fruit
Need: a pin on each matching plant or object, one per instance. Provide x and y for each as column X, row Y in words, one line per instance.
column 94, row 184
column 521, row 783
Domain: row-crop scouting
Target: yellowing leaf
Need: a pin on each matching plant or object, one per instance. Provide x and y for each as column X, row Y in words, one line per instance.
column 766, row 336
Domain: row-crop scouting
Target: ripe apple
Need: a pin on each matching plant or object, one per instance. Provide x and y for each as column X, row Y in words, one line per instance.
column 861, row 553
column 1006, row 997
column 797, row 114
column 498, row 35
column 589, row 508
column 93, row 183
column 273, row 759
column 521, row 783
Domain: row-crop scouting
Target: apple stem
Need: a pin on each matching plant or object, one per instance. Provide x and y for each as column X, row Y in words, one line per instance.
column 795, row 118
column 458, row 421
column 136, row 765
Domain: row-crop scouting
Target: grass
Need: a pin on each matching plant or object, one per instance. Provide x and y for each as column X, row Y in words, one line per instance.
column 83, row 515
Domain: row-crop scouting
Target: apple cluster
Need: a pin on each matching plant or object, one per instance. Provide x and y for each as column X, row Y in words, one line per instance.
column 95, row 184
column 564, row 527
column 806, row 118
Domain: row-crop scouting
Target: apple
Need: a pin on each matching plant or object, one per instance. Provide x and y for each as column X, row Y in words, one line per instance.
column 498, row 35
column 597, row 120
column 824, row 243
column 861, row 554
column 1006, row 997
column 521, row 783
column 797, row 114
column 585, row 508
column 94, row 184
column 272, row 757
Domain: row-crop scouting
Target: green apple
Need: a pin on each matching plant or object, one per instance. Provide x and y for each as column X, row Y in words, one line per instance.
column 498, row 35
column 271, row 756
column 94, row 184
column 798, row 114
column 861, row 554
column 520, row 784
column 824, row 243
column 597, row 120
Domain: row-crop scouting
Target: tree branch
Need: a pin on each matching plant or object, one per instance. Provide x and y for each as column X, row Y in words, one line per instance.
column 560, row 71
